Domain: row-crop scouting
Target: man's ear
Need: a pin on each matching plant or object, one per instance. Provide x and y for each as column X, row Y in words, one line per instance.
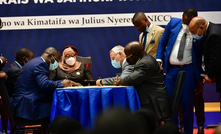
column 120, row 53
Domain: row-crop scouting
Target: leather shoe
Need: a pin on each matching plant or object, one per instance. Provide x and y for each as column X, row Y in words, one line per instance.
column 200, row 130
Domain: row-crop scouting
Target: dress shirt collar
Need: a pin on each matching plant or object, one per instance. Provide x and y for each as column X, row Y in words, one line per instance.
column 18, row 64
column 123, row 62
column 149, row 28
column 43, row 59
column 207, row 28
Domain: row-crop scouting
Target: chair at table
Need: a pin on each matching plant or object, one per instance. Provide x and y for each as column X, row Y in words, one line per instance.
column 18, row 124
column 86, row 60
column 174, row 103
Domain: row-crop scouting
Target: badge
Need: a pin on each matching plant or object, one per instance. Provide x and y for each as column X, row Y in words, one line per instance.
column 78, row 73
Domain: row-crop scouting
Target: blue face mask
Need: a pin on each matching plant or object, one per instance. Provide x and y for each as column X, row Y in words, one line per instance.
column 54, row 65
column 197, row 37
column 146, row 28
column 115, row 64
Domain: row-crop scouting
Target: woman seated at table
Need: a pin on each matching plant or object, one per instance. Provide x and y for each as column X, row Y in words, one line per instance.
column 71, row 69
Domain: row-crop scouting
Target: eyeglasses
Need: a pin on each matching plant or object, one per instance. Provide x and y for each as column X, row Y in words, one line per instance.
column 114, row 57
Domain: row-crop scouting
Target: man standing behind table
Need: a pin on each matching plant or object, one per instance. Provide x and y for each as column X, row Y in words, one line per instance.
column 118, row 60
column 147, row 80
column 178, row 51
column 150, row 35
column 23, row 55
column 33, row 90
column 199, row 27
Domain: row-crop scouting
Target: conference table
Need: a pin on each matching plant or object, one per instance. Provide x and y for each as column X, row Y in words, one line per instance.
column 86, row 103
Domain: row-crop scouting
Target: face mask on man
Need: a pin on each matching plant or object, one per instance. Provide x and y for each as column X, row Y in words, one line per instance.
column 70, row 61
column 54, row 65
column 115, row 64
column 197, row 37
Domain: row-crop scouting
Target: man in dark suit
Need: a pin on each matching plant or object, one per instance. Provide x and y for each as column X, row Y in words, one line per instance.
column 23, row 55
column 34, row 89
column 147, row 80
column 178, row 51
column 199, row 27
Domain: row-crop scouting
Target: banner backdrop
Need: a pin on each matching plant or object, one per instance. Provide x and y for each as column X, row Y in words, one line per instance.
column 93, row 26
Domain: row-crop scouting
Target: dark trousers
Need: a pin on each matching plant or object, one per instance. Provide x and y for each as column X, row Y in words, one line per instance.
column 187, row 95
column 3, row 116
column 198, row 104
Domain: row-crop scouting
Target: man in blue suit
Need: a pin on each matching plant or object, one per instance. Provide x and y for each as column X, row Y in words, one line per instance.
column 23, row 55
column 33, row 90
column 173, row 57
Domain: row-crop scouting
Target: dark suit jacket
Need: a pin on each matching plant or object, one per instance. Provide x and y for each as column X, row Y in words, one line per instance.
column 13, row 73
column 148, row 81
column 167, row 41
column 33, row 91
column 212, row 53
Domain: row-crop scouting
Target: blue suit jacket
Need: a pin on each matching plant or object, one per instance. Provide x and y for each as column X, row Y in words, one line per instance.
column 33, row 91
column 166, row 44
column 13, row 73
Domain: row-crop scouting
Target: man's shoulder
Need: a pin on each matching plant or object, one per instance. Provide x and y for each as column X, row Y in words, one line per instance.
column 126, row 66
column 175, row 21
column 35, row 63
column 158, row 28
column 146, row 59
column 13, row 67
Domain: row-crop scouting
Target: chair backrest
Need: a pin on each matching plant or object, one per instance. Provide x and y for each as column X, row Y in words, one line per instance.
column 177, row 91
column 86, row 60
column 6, row 101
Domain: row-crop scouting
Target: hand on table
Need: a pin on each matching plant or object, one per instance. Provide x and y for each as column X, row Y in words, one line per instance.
column 69, row 83
column 116, row 80
column 98, row 82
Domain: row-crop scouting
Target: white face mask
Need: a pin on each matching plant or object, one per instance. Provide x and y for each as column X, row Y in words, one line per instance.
column 71, row 61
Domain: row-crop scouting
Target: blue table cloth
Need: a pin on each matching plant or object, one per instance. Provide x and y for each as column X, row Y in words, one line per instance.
column 85, row 103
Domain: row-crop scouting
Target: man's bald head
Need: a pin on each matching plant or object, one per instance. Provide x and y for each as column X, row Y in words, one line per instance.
column 196, row 23
column 51, row 54
column 138, row 15
column 51, row 50
column 23, row 55
column 140, row 21
column 134, row 47
column 133, row 50
column 188, row 14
